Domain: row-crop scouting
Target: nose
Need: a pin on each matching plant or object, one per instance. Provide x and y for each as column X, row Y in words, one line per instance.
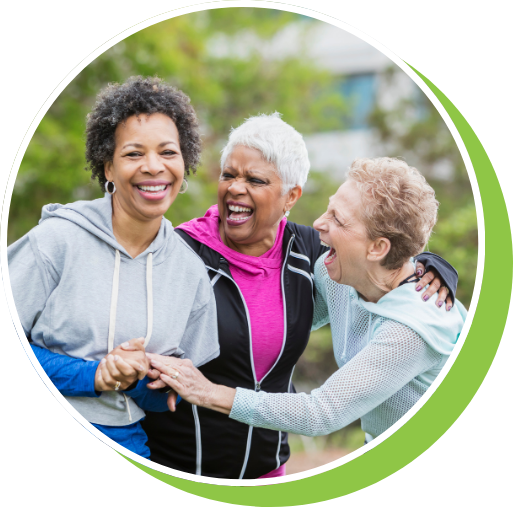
column 154, row 164
column 237, row 187
column 320, row 224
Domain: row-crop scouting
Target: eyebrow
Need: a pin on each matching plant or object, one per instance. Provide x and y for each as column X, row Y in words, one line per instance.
column 138, row 145
column 254, row 172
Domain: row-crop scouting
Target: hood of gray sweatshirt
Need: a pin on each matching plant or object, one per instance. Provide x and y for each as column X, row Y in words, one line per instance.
column 78, row 292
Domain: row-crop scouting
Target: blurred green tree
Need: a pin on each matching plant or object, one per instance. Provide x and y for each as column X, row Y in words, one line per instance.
column 199, row 53
column 414, row 130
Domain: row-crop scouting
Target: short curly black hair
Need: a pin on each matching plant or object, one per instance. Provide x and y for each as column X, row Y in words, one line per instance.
column 138, row 95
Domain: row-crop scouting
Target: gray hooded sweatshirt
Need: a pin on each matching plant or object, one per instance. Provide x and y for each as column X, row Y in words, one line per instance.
column 79, row 293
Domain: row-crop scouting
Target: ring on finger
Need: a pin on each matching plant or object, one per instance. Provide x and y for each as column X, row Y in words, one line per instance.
column 117, row 386
column 175, row 375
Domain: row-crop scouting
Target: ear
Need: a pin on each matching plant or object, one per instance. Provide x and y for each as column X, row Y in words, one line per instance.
column 293, row 195
column 107, row 170
column 378, row 249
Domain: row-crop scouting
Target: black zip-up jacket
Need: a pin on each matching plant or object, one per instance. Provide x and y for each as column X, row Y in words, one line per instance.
column 204, row 442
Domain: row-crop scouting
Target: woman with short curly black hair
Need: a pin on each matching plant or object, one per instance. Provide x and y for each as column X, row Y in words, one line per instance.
column 95, row 274
column 116, row 103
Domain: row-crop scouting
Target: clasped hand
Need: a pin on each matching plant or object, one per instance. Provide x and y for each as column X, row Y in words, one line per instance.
column 125, row 365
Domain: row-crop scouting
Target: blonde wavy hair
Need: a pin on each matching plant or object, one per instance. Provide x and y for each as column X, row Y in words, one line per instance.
column 397, row 203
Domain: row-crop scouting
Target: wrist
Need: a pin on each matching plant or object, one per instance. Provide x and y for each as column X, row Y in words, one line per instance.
column 220, row 399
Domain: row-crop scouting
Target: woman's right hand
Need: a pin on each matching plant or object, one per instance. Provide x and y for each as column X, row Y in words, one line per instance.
column 118, row 370
column 114, row 374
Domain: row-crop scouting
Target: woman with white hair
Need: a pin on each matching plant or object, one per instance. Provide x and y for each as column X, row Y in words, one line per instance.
column 388, row 345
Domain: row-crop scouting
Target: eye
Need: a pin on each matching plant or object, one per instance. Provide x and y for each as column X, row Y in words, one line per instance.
column 256, row 181
column 336, row 220
column 226, row 176
column 133, row 154
column 168, row 153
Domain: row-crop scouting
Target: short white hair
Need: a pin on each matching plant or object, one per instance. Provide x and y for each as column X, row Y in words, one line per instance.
column 280, row 145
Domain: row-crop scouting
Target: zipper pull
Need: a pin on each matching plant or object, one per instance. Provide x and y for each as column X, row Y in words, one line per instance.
column 257, row 387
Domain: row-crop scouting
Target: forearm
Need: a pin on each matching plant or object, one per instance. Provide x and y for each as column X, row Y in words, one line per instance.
column 71, row 376
column 147, row 399
column 358, row 387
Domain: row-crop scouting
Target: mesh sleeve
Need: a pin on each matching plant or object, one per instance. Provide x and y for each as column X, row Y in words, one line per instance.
column 321, row 316
column 391, row 359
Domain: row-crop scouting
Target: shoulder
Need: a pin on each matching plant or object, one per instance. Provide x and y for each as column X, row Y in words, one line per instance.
column 395, row 330
column 303, row 232
column 55, row 235
column 190, row 256
column 403, row 342
column 306, row 241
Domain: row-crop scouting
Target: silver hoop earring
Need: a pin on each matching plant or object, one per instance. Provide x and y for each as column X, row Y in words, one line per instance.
column 107, row 183
column 287, row 213
column 182, row 189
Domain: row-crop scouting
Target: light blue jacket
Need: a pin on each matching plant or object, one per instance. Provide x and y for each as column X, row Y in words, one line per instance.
column 388, row 355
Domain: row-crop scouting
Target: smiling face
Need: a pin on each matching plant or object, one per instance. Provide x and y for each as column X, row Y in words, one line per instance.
column 343, row 231
column 147, row 167
column 250, row 201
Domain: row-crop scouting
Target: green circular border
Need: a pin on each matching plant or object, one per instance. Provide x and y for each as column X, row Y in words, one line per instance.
column 447, row 402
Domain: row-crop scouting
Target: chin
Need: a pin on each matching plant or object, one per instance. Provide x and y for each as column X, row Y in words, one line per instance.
column 153, row 212
column 334, row 274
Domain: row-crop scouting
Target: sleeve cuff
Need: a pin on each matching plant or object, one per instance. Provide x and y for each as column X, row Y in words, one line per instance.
column 86, row 379
column 244, row 405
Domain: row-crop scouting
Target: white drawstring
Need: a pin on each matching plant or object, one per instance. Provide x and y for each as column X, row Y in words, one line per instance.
column 114, row 305
column 149, row 297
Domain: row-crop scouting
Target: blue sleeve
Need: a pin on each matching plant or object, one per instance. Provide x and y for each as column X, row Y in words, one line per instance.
column 148, row 399
column 75, row 377
column 71, row 376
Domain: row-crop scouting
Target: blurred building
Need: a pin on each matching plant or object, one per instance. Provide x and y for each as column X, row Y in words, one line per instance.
column 361, row 70
column 363, row 79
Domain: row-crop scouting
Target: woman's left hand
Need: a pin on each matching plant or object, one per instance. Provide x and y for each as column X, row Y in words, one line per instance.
column 184, row 378
column 435, row 281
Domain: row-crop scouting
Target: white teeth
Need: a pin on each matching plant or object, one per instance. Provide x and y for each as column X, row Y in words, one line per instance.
column 155, row 188
column 324, row 244
column 239, row 219
column 332, row 256
column 239, row 209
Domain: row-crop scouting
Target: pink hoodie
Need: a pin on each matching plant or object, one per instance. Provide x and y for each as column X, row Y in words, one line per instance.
column 259, row 279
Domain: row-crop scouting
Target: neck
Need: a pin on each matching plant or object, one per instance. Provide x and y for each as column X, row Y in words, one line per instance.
column 254, row 249
column 135, row 236
column 379, row 281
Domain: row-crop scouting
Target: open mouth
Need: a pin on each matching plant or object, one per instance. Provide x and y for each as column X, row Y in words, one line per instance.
column 238, row 214
column 332, row 254
column 154, row 191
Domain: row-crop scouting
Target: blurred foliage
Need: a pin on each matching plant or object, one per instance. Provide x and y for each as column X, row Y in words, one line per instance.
column 199, row 54
column 414, row 130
